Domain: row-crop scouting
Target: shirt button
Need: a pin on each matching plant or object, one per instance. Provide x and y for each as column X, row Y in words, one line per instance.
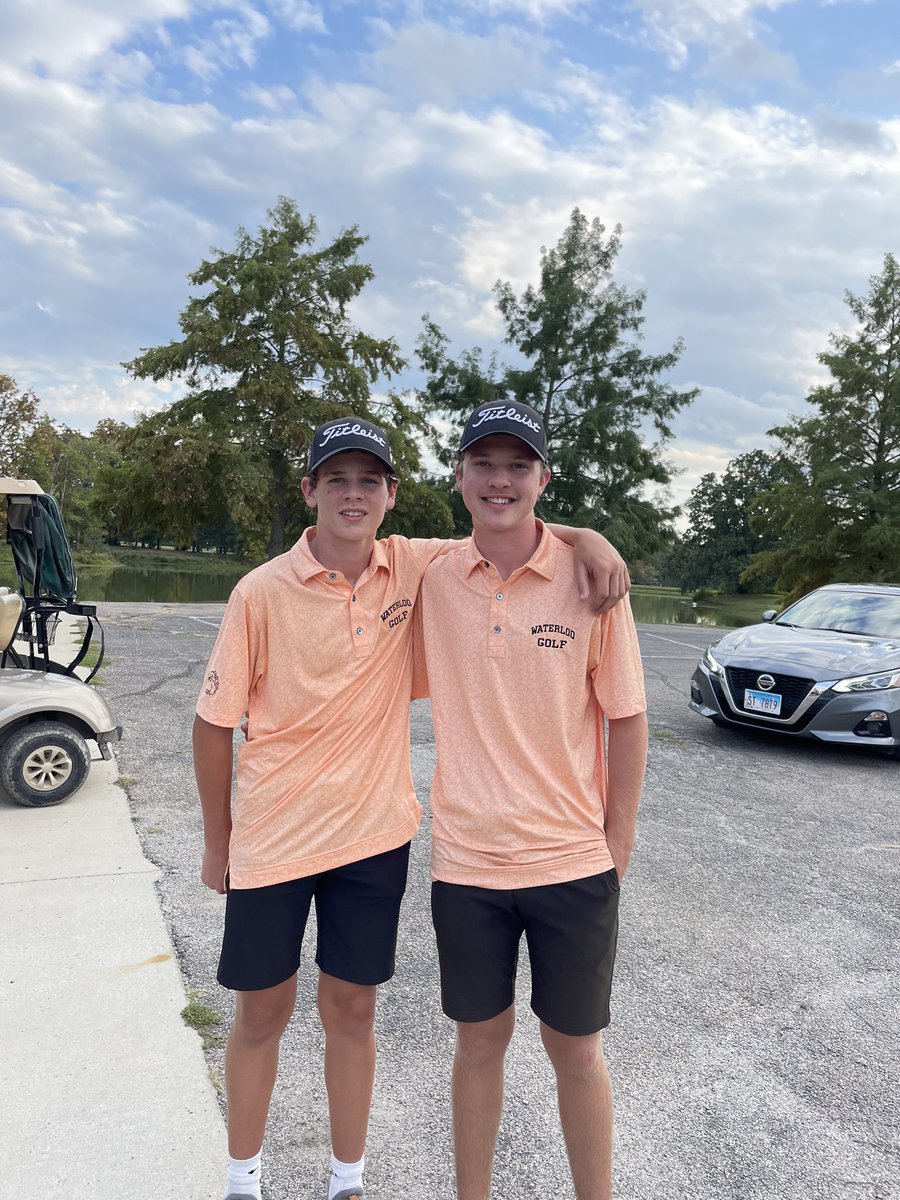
column 485, row 563
column 496, row 629
column 331, row 575
column 359, row 629
column 354, row 599
column 499, row 595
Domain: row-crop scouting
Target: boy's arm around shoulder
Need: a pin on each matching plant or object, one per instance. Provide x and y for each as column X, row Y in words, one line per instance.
column 626, row 760
column 212, row 771
column 600, row 572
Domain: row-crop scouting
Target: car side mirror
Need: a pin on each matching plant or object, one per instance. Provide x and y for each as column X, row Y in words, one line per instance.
column 770, row 614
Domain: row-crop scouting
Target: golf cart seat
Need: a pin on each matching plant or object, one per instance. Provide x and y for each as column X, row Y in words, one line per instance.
column 47, row 584
column 11, row 608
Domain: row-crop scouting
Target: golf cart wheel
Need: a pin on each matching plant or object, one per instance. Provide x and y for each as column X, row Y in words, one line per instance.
column 43, row 764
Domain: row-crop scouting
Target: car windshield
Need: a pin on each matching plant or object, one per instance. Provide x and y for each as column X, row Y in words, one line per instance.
column 870, row 613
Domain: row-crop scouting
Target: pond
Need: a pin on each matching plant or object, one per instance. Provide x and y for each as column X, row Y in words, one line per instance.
column 129, row 583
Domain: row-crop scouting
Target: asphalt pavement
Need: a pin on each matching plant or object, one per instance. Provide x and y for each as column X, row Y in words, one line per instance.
column 754, row 1048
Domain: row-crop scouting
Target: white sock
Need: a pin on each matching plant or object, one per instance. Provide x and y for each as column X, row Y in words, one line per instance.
column 345, row 1175
column 243, row 1177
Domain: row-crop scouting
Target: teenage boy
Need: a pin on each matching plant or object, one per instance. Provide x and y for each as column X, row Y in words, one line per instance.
column 316, row 647
column 533, row 812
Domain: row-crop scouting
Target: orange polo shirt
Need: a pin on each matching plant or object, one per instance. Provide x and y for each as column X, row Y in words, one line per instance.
column 521, row 676
column 324, row 671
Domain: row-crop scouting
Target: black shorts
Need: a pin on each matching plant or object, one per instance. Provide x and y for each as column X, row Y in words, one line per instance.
column 571, row 930
column 357, row 910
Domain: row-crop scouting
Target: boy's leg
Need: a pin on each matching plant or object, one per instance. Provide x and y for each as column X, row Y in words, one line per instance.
column 260, row 955
column 584, row 1095
column 478, row 932
column 477, row 1094
column 251, row 1062
column 357, row 911
column 572, row 930
column 347, row 1011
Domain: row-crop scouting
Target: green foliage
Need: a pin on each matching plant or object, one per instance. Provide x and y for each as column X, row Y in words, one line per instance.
column 268, row 353
column 719, row 543
column 838, row 515
column 577, row 336
column 18, row 417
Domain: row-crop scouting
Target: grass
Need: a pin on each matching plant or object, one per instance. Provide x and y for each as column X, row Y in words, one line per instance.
column 125, row 782
column 204, row 1020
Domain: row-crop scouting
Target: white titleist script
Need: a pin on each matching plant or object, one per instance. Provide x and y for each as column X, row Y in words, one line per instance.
column 338, row 431
column 501, row 413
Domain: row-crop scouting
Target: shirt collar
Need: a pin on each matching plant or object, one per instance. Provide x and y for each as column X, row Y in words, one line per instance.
column 542, row 562
column 306, row 565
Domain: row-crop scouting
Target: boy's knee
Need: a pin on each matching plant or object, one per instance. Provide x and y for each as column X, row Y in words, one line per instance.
column 263, row 1015
column 576, row 1057
column 484, row 1041
column 346, row 1009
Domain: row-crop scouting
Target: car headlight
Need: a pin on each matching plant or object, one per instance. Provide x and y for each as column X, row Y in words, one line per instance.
column 869, row 683
column 711, row 663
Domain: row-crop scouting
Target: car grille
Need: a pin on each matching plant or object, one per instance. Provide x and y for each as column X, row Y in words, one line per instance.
column 791, row 689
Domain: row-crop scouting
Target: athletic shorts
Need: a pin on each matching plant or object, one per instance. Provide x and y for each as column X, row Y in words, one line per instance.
column 571, row 931
column 357, row 910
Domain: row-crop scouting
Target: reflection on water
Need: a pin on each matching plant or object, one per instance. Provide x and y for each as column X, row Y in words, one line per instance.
column 168, row 587
column 731, row 611
column 186, row 587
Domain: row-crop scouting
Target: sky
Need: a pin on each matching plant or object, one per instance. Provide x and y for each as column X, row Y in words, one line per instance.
column 748, row 150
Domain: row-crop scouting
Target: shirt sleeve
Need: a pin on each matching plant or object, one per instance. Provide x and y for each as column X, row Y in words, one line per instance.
column 616, row 669
column 235, row 665
column 420, row 665
column 424, row 551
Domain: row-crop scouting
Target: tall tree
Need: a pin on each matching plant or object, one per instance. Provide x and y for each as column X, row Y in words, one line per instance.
column 269, row 351
column 607, row 412
column 719, row 542
column 18, row 417
column 838, row 517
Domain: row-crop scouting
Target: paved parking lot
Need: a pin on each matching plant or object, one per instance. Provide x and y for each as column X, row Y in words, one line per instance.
column 754, row 1045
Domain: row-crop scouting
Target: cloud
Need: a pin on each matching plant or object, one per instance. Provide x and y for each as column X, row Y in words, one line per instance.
column 433, row 63
column 674, row 26
column 62, row 37
column 299, row 15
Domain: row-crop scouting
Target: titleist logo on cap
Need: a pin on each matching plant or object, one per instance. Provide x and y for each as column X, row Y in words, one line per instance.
column 347, row 430
column 500, row 412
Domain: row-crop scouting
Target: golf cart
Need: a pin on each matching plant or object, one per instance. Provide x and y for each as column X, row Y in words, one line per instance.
column 48, row 711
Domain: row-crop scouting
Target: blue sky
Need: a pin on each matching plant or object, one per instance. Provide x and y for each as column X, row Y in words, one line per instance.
column 749, row 151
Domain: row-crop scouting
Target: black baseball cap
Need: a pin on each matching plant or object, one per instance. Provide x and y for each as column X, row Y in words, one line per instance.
column 349, row 433
column 506, row 416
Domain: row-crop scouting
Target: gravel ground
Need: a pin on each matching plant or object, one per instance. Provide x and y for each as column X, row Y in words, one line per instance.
column 754, row 1047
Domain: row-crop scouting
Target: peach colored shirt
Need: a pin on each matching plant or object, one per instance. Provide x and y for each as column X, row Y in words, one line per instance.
column 521, row 675
column 324, row 671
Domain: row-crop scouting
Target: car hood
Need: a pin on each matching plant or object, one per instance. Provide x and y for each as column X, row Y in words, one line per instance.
column 815, row 653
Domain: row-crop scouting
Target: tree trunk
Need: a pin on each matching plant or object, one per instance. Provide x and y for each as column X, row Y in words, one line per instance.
column 277, row 524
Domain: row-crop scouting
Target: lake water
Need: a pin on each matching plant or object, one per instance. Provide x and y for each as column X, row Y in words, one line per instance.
column 125, row 583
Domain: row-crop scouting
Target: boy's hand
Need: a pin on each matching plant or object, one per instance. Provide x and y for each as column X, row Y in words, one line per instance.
column 212, row 871
column 600, row 572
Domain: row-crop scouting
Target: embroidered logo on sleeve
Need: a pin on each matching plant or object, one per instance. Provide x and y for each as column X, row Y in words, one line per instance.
column 212, row 683
column 562, row 636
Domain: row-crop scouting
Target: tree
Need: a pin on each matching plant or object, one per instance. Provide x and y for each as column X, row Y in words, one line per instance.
column 18, row 417
column 578, row 337
column 838, row 516
column 268, row 353
column 719, row 542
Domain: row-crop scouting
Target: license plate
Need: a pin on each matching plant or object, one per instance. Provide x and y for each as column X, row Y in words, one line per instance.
column 763, row 702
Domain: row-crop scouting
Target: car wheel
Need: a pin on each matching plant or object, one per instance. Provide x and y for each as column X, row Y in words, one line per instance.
column 43, row 764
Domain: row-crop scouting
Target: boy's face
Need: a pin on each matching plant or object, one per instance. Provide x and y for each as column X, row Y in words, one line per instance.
column 501, row 479
column 351, row 496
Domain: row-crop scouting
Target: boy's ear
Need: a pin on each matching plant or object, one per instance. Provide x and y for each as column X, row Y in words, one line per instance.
column 392, row 485
column 457, row 471
column 309, row 491
column 545, row 479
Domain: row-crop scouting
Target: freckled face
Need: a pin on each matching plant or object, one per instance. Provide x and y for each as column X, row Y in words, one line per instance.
column 501, row 480
column 351, row 496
